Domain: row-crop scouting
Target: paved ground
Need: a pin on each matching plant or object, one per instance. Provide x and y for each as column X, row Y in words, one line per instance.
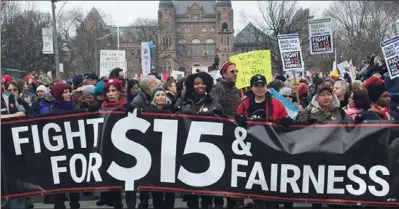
column 89, row 202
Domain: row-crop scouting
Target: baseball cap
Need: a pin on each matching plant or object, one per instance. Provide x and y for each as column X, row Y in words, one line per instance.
column 91, row 76
column 258, row 79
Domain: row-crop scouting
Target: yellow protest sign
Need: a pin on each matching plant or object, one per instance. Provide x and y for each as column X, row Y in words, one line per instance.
column 251, row 63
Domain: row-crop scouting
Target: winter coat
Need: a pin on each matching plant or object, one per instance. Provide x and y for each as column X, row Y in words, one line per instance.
column 142, row 100
column 207, row 104
column 228, row 96
column 274, row 109
column 313, row 113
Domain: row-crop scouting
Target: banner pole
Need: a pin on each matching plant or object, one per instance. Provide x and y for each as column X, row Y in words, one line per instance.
column 296, row 87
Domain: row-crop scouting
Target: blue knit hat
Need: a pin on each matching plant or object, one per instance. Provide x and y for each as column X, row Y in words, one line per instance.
column 77, row 79
column 99, row 88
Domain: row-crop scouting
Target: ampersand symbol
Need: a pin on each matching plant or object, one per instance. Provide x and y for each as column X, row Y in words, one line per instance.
column 238, row 146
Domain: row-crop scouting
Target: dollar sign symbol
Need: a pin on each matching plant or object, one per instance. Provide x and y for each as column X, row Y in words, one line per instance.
column 121, row 142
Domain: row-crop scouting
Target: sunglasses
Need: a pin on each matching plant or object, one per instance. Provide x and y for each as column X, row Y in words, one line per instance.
column 287, row 96
column 13, row 90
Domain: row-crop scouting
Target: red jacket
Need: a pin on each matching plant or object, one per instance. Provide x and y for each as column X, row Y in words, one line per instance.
column 278, row 109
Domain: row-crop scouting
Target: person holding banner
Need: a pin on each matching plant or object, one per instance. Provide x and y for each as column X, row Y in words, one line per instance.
column 197, row 100
column 260, row 104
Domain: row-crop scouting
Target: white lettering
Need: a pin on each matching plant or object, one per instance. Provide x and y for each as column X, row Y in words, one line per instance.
column 331, row 179
column 257, row 170
column 362, row 184
column 58, row 138
column 235, row 173
column 318, row 182
column 383, row 183
column 57, row 170
column 81, row 133
column 285, row 179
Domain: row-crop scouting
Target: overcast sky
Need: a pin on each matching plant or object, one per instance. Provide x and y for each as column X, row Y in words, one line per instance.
column 125, row 12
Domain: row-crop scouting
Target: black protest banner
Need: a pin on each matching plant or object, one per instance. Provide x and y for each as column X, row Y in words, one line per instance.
column 320, row 33
column 292, row 60
column 201, row 154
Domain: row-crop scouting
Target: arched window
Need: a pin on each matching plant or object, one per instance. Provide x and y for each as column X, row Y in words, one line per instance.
column 212, row 29
column 203, row 29
column 210, row 47
column 196, row 47
column 187, row 29
column 224, row 26
column 181, row 47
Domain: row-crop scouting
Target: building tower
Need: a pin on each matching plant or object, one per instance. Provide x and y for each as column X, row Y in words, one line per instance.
column 166, row 43
column 224, row 29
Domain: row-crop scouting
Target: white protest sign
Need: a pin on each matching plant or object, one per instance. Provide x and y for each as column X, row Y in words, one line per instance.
column 110, row 59
column 290, row 50
column 179, row 75
column 390, row 49
column 145, row 58
column 48, row 47
column 341, row 67
column 320, row 36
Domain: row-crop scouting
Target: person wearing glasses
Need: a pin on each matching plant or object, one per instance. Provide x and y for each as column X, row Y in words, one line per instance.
column 15, row 89
column 225, row 91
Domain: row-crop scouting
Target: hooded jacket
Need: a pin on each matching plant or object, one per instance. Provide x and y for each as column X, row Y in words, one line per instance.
column 314, row 113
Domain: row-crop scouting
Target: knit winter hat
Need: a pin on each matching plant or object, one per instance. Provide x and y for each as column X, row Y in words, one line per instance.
column 285, row 91
column 303, row 89
column 87, row 90
column 41, row 88
column 57, row 89
column 155, row 90
column 99, row 90
column 224, row 67
column 77, row 79
column 375, row 91
column 7, row 78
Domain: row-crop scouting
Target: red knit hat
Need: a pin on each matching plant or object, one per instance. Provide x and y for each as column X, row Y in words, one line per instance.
column 303, row 89
column 224, row 67
column 57, row 89
column 116, row 82
column 7, row 79
column 372, row 80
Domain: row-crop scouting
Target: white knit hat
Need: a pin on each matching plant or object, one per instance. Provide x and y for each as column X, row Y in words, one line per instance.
column 41, row 88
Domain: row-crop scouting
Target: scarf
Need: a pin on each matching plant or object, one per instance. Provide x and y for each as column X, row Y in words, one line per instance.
column 117, row 104
column 63, row 105
column 353, row 112
column 383, row 112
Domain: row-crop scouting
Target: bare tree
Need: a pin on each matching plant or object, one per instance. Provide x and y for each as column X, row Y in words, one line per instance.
column 362, row 25
column 280, row 17
column 161, row 35
column 22, row 39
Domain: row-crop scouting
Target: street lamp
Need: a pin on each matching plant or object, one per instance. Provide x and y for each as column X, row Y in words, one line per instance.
column 97, row 70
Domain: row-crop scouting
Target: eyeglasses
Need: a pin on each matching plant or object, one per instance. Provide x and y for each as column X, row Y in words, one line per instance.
column 13, row 90
column 287, row 96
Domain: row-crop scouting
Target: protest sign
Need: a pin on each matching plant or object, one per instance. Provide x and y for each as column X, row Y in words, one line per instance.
column 178, row 75
column 201, row 154
column 146, row 61
column 320, row 36
column 110, row 59
column 341, row 67
column 250, row 64
column 290, row 50
column 390, row 49
column 48, row 47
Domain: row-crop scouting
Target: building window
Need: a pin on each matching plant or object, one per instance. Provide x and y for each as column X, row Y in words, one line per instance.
column 187, row 29
column 178, row 29
column 181, row 47
column 195, row 16
column 196, row 47
column 224, row 26
column 228, row 40
column 203, row 29
column 209, row 47
column 212, row 29
column 223, row 40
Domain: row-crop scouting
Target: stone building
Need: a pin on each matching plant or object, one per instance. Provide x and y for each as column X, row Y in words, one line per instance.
column 188, row 35
column 193, row 33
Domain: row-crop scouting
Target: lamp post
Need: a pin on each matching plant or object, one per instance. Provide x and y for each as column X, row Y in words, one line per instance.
column 97, row 70
column 55, row 41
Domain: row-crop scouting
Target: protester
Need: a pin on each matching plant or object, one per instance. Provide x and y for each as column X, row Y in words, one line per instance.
column 358, row 103
column 260, row 104
column 40, row 94
column 380, row 100
column 323, row 107
column 143, row 99
column 341, row 92
column 15, row 89
column 171, row 90
column 90, row 79
column 133, row 89
column 87, row 100
column 225, row 92
column 197, row 99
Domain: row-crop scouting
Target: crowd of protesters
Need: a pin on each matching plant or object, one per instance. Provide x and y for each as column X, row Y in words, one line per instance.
column 372, row 96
